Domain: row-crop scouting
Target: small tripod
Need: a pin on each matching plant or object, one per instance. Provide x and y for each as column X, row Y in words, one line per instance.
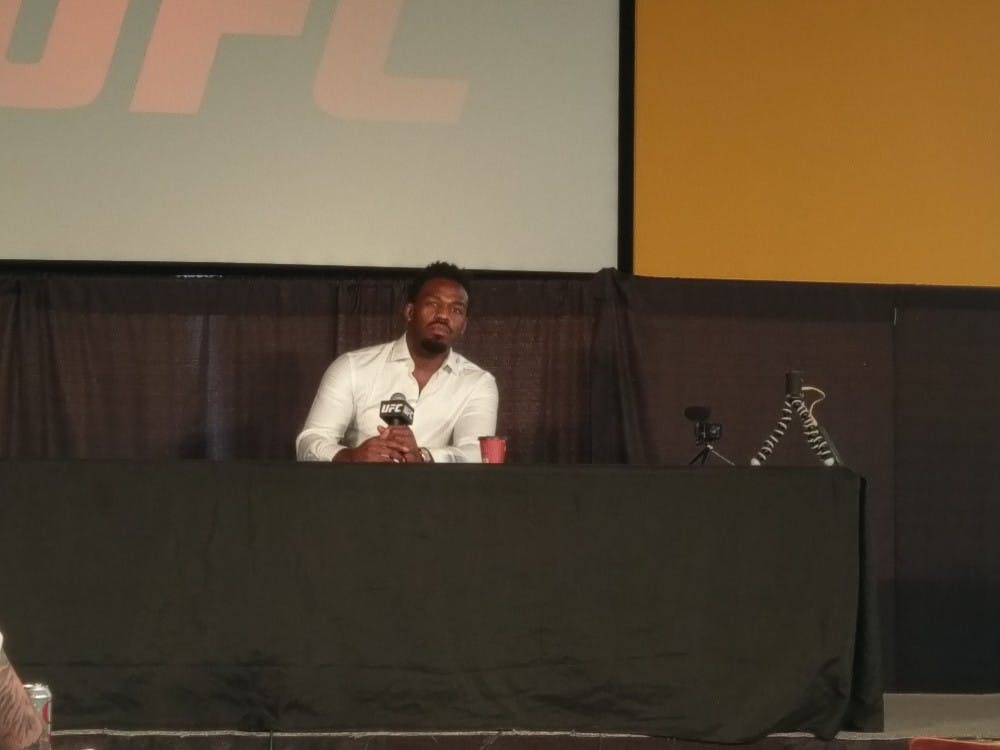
column 705, row 433
column 817, row 438
column 702, row 456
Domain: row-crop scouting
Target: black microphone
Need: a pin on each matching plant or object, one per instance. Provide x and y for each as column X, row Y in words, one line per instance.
column 396, row 411
column 793, row 385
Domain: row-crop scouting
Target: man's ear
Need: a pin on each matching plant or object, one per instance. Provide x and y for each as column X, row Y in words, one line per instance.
column 408, row 312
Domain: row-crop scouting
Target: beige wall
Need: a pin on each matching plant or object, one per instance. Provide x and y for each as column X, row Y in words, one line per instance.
column 825, row 140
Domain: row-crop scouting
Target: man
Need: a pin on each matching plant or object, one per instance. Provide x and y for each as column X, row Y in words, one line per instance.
column 454, row 400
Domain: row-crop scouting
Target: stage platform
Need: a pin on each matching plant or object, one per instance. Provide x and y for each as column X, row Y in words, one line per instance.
column 907, row 716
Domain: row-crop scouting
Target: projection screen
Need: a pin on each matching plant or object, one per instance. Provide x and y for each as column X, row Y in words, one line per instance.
column 331, row 132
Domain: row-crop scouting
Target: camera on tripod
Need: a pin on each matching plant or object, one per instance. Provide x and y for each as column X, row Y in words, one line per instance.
column 704, row 431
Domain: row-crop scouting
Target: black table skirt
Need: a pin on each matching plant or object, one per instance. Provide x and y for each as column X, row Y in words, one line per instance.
column 708, row 604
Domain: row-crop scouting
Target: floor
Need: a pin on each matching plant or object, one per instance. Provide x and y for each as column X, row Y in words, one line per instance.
column 936, row 715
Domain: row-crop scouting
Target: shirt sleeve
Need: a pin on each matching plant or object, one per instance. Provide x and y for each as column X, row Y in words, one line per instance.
column 331, row 414
column 478, row 418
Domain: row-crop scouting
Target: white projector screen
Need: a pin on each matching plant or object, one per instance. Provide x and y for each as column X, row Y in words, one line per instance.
column 330, row 132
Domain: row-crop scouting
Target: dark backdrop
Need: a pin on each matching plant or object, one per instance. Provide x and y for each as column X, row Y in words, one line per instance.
column 140, row 364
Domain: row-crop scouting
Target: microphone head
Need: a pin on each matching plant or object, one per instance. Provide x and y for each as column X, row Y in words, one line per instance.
column 697, row 413
column 396, row 410
column 793, row 384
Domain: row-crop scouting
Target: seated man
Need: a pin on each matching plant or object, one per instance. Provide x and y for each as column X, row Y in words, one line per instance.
column 454, row 400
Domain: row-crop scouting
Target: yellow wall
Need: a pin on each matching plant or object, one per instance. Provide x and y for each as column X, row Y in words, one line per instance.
column 818, row 140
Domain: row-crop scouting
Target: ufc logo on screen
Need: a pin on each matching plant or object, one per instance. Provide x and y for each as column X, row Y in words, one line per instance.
column 350, row 82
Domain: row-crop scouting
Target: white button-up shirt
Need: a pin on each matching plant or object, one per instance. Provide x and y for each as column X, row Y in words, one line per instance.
column 457, row 406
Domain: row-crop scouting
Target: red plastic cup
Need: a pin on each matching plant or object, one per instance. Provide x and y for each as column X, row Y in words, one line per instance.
column 493, row 449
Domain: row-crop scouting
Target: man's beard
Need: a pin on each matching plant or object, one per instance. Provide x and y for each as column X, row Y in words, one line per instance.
column 433, row 346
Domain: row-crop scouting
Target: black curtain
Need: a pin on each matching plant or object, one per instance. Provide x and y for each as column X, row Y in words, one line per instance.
column 143, row 367
column 947, row 575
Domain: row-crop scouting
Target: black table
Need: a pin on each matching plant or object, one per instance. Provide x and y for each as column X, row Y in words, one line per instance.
column 709, row 604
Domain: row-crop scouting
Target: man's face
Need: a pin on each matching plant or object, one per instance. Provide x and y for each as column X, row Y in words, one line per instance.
column 436, row 319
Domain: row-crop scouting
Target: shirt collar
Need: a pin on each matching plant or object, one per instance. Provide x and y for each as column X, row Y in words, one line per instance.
column 400, row 352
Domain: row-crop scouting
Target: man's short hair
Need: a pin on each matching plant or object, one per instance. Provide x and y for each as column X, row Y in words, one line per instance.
column 437, row 270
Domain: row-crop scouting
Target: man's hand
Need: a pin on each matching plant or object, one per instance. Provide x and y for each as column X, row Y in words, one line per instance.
column 391, row 445
column 402, row 435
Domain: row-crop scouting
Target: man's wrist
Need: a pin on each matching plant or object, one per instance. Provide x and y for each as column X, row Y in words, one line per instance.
column 426, row 456
column 343, row 456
